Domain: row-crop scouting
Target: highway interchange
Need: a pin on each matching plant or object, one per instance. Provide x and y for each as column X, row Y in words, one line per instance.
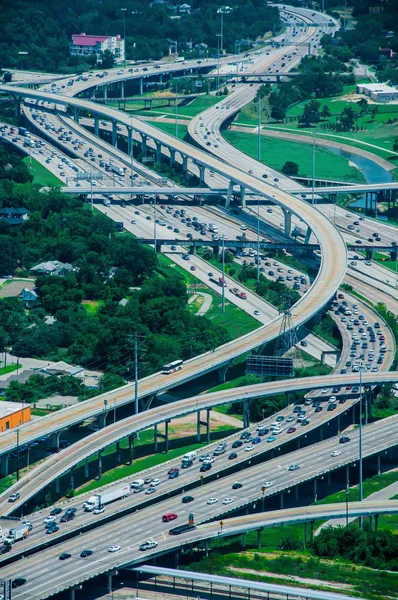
column 331, row 273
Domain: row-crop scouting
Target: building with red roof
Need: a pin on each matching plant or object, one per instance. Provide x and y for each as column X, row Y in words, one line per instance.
column 85, row 45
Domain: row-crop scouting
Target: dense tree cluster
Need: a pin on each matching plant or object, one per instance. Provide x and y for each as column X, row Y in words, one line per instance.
column 362, row 547
column 44, row 30
column 108, row 267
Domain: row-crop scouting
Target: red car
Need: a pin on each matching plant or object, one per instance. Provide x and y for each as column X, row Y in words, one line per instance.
column 169, row 517
column 173, row 470
column 291, row 430
column 348, row 387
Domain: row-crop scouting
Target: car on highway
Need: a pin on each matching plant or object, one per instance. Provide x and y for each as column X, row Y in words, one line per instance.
column 114, row 548
column 212, row 500
column 227, row 500
column 64, row 556
column 148, row 545
column 206, row 466
column 249, row 448
column 187, row 499
column 237, row 485
column 99, row 510
column 291, row 430
column 150, row 490
column 293, row 467
column 344, row 440
column 86, row 553
column 155, row 482
column 336, row 453
column 257, row 313
column 237, row 444
column 52, row 528
column 14, row 497
column 271, row 438
column 17, row 582
column 50, row 519
column 56, row 511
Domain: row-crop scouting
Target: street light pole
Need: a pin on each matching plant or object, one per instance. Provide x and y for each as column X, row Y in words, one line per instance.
column 313, row 169
column 218, row 64
column 132, row 153
column 124, row 33
column 223, row 275
column 258, row 239
column 360, row 439
column 17, row 454
column 259, row 127
column 176, row 107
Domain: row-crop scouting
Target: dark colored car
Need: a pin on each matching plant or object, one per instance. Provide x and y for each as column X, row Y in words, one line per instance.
column 344, row 440
column 205, row 467
column 237, row 486
column 237, row 444
column 18, row 582
column 232, row 456
column 187, row 499
column 68, row 516
column 55, row 511
column 86, row 553
column 64, row 556
column 52, row 529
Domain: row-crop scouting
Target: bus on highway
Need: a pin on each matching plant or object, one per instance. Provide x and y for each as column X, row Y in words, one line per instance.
column 172, row 367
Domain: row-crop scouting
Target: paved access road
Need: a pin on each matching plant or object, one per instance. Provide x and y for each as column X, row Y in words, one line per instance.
column 55, row 465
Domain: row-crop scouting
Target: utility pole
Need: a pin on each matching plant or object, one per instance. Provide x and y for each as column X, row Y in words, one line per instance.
column 259, row 126
column 223, row 275
column 258, row 239
column 313, row 169
column 176, row 107
column 136, row 373
column 17, row 454
column 132, row 154
column 360, row 441
column 124, row 33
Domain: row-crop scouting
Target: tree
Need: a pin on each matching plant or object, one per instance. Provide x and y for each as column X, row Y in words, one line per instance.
column 373, row 112
column 347, row 118
column 107, row 59
column 311, row 113
column 395, row 146
column 290, row 168
column 278, row 113
column 326, row 114
column 363, row 104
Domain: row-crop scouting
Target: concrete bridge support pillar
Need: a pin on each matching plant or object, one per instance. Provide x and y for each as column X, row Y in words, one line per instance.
column 102, row 419
column 58, row 486
column 131, row 448
column 296, row 493
column 201, row 175
column 122, row 89
column 246, row 413
column 222, row 373
column 229, row 194
column 129, row 140
column 378, row 464
column 4, row 465
column 118, row 453
column 72, row 479
column 287, row 222
column 259, row 538
column 141, row 84
column 86, row 468
column 100, row 465
column 315, row 490
column 184, row 163
column 206, row 424
column 207, row 548
column 96, row 126
column 105, row 93
column 308, row 235
column 114, row 134
column 244, row 540
column 164, row 435
column 282, row 501
column 243, row 196
column 76, row 113
column 18, row 109
column 158, row 152
column 312, row 530
column 172, row 157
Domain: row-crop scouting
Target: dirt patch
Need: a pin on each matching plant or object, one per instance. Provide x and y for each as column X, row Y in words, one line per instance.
column 296, row 579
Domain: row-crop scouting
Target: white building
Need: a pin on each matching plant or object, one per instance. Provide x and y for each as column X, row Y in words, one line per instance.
column 85, row 45
column 378, row 92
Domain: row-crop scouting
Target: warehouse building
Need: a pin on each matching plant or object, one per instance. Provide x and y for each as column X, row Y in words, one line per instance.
column 378, row 92
column 13, row 414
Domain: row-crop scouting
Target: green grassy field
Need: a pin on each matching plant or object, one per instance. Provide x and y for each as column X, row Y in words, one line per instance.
column 276, row 152
column 187, row 111
column 41, row 175
column 92, row 306
column 171, row 128
column 8, row 368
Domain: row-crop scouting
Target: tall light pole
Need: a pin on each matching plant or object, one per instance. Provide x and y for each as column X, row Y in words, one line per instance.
column 22, row 54
column 313, row 169
column 218, row 64
column 124, row 33
column 223, row 10
column 259, row 126
column 258, row 239
column 223, row 275
column 360, row 439
column 176, row 107
column 132, row 154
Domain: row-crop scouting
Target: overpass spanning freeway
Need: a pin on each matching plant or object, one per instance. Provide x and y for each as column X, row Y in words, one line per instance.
column 235, row 582
column 59, row 464
column 46, row 575
column 150, row 190
column 351, row 188
column 263, row 244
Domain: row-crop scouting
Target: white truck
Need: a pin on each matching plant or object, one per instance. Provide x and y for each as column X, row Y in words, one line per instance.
column 189, row 457
column 20, row 532
column 106, row 497
column 213, row 228
column 137, row 485
column 106, row 202
column 118, row 170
